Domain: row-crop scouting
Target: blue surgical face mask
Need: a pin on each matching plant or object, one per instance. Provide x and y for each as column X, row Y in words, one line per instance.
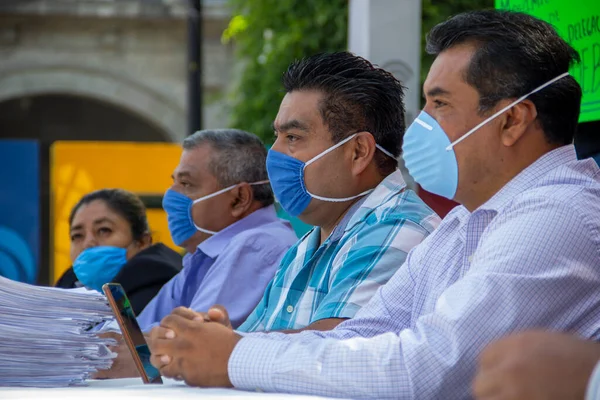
column 287, row 179
column 96, row 266
column 429, row 156
column 179, row 213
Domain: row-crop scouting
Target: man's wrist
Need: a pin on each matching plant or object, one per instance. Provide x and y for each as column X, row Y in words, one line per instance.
column 252, row 363
column 236, row 340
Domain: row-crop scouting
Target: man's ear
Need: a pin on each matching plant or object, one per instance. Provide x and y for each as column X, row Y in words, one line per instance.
column 242, row 199
column 363, row 151
column 516, row 122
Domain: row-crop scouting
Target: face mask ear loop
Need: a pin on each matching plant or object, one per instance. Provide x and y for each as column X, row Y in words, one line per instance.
column 210, row 196
column 520, row 99
column 339, row 200
column 387, row 153
column 259, row 183
column 205, row 230
column 218, row 193
column 384, row 151
column 329, row 150
column 332, row 148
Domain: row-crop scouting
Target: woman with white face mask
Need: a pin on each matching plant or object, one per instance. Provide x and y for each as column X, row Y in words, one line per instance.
column 111, row 242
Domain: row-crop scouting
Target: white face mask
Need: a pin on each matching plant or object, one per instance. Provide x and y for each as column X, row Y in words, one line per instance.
column 429, row 156
column 210, row 196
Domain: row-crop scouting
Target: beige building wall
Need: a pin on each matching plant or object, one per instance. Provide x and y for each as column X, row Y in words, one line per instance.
column 129, row 54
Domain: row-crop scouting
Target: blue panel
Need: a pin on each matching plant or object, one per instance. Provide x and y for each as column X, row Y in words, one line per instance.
column 19, row 209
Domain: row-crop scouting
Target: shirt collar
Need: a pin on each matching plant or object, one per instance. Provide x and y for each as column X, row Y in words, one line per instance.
column 391, row 186
column 214, row 245
column 529, row 176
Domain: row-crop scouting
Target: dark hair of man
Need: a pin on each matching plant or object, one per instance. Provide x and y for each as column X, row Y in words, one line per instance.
column 357, row 97
column 515, row 53
column 122, row 202
column 238, row 156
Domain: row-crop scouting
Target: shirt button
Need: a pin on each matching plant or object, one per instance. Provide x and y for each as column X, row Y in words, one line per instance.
column 290, row 308
column 470, row 258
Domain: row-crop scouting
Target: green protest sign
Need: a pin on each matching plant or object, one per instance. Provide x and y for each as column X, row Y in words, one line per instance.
column 578, row 22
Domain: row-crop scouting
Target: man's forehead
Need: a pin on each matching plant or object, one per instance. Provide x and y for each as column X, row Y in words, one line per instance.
column 298, row 110
column 448, row 70
column 193, row 161
column 95, row 211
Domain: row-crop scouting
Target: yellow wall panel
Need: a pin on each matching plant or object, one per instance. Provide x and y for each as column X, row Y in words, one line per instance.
column 78, row 168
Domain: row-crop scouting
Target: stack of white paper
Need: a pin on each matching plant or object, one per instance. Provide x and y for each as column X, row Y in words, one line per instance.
column 44, row 335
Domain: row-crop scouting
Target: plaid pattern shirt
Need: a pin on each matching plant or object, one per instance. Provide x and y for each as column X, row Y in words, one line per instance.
column 528, row 258
column 335, row 279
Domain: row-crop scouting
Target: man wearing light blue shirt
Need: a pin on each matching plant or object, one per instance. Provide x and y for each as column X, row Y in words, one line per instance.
column 220, row 209
column 521, row 251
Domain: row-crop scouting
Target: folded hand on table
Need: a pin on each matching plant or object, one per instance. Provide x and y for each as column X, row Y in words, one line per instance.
column 216, row 313
column 193, row 347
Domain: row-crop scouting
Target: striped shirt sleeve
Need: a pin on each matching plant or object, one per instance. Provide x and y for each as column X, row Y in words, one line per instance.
column 364, row 263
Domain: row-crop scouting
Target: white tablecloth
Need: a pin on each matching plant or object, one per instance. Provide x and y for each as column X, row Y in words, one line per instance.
column 133, row 388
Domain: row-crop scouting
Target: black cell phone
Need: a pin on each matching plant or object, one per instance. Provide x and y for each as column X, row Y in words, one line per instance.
column 134, row 338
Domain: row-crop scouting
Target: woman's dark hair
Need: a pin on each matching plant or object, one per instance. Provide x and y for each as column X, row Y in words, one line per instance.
column 122, row 202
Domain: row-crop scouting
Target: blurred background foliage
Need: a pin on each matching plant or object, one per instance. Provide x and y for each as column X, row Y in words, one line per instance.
column 269, row 34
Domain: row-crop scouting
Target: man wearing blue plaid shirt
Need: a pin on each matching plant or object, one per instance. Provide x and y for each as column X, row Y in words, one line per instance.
column 340, row 125
column 521, row 251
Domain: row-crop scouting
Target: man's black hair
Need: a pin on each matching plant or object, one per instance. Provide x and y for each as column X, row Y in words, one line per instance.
column 357, row 96
column 515, row 53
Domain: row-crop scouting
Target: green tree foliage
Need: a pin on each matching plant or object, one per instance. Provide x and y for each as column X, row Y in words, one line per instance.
column 269, row 34
column 436, row 11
